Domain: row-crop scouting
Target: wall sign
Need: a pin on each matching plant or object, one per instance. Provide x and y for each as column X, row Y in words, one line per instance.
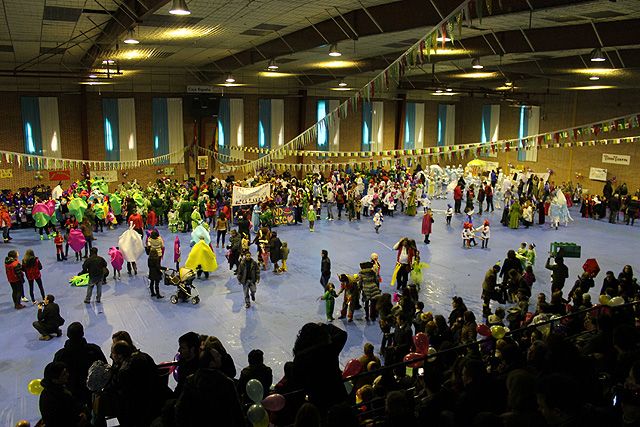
column 203, row 162
column 200, row 89
column 107, row 176
column 598, row 174
column 6, row 173
column 616, row 159
column 60, row 175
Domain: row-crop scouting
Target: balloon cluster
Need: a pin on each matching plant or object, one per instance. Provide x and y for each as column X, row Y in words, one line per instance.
column 579, row 176
column 496, row 331
column 125, row 174
column 159, row 171
column 257, row 412
column 421, row 343
column 38, row 176
column 35, row 387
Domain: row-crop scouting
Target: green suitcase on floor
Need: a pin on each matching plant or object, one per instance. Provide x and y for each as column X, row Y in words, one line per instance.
column 566, row 249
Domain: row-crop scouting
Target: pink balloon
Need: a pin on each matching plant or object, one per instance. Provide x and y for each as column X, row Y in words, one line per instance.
column 484, row 330
column 413, row 356
column 421, row 341
column 274, row 402
column 352, row 368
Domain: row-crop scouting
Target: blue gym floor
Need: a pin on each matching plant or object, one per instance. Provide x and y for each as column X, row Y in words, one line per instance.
column 284, row 302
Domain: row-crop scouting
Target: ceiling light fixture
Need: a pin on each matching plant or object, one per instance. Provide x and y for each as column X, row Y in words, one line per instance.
column 131, row 38
column 179, row 7
column 594, row 78
column 342, row 83
column 449, row 89
column 333, row 50
column 476, row 65
column 508, row 83
column 439, row 90
column 230, row 79
column 92, row 76
column 272, row 65
column 597, row 56
column 441, row 39
column 108, row 62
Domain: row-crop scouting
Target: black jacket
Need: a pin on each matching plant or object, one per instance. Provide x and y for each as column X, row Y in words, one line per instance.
column 248, row 271
column 95, row 266
column 155, row 269
column 325, row 266
column 261, row 373
column 508, row 265
column 209, row 398
column 50, row 317
column 79, row 355
column 274, row 249
column 58, row 407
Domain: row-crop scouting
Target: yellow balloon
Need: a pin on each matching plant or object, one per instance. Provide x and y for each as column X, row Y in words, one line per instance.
column 604, row 299
column 35, row 387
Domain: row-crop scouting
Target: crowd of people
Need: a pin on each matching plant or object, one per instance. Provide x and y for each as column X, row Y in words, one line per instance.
column 576, row 370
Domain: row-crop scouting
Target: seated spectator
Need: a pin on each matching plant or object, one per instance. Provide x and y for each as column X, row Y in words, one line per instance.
column 256, row 370
column 521, row 401
column 78, row 355
column 188, row 349
column 228, row 366
column 208, row 396
column 58, row 407
column 368, row 356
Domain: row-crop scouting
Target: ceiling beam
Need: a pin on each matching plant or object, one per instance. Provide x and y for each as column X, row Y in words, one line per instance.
column 548, row 39
column 392, row 17
column 130, row 13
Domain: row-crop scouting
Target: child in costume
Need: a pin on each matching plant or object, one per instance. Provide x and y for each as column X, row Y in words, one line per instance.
column 449, row 215
column 117, row 260
column 173, row 220
column 468, row 236
column 485, row 233
column 58, row 240
column 176, row 252
column 284, row 252
column 329, row 299
column 376, row 266
column 311, row 216
column 427, row 220
column 378, row 219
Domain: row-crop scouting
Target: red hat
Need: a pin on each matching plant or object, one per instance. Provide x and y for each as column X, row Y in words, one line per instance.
column 486, row 222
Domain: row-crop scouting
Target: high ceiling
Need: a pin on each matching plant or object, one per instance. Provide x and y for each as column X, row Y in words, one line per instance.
column 540, row 45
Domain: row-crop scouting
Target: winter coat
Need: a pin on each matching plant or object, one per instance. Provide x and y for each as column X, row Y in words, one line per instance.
column 427, row 220
column 138, row 224
column 79, row 355
column 248, row 272
column 33, row 271
column 369, row 283
column 155, row 269
column 325, row 266
column 157, row 244
column 274, row 249
column 209, row 396
column 94, row 265
column 13, row 268
column 50, row 317
column 457, row 193
column 510, row 264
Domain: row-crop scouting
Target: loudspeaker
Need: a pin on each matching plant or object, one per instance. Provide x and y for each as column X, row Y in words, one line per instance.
column 202, row 105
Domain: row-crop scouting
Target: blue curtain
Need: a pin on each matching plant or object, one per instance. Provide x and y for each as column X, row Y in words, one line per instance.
column 410, row 127
column 160, row 126
column 30, row 107
column 111, row 129
column 442, row 124
column 224, row 125
column 524, row 131
column 323, row 130
column 264, row 124
column 367, row 113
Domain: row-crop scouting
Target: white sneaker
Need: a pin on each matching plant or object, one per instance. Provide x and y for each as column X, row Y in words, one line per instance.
column 24, row 299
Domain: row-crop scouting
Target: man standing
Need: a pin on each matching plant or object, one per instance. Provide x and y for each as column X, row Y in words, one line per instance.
column 325, row 269
column 49, row 319
column 249, row 277
column 559, row 273
column 457, row 198
column 96, row 266
column 15, row 276
column 488, row 192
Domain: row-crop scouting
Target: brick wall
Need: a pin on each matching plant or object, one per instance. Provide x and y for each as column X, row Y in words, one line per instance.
column 558, row 111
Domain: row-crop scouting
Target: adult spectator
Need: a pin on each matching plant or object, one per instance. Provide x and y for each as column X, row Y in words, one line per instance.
column 368, row 356
column 256, row 370
column 559, row 273
column 325, row 269
column 188, row 349
column 15, row 276
column 249, row 277
column 560, row 401
column 78, row 355
column 370, row 289
column 228, row 366
column 317, row 366
column 275, row 252
column 58, row 407
column 49, row 319
column 96, row 266
column 511, row 262
column 209, row 397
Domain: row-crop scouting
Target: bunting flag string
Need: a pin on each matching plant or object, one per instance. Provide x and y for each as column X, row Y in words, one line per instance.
column 43, row 162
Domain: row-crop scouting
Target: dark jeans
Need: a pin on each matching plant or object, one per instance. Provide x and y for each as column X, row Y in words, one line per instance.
column 88, row 244
column 370, row 311
column 17, row 290
column 39, row 282
column 154, row 286
column 489, row 203
column 132, row 265
column 222, row 233
column 324, row 280
column 41, row 327
column 5, row 233
column 402, row 277
column 457, row 204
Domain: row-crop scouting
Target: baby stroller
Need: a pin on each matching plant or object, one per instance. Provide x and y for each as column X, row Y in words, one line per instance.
column 183, row 280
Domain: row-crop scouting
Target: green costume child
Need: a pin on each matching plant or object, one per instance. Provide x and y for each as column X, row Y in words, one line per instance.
column 311, row 216
column 329, row 299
